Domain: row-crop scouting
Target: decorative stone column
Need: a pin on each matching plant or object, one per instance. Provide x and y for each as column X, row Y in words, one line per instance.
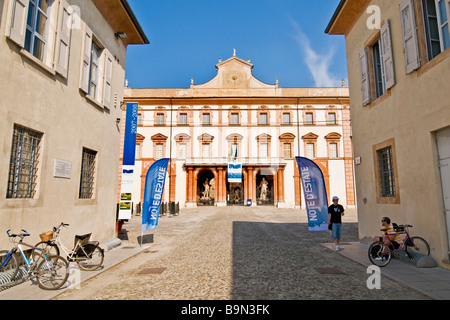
column 190, row 203
column 280, row 178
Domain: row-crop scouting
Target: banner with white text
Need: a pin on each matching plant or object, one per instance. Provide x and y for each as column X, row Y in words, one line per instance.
column 129, row 154
column 153, row 193
column 315, row 194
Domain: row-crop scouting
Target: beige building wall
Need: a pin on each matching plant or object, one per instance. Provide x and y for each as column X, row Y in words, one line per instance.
column 36, row 96
column 406, row 117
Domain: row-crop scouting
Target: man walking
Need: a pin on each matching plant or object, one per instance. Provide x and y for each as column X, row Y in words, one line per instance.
column 335, row 213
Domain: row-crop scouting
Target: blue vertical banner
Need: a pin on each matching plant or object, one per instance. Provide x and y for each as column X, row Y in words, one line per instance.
column 234, row 172
column 129, row 154
column 129, row 144
column 153, row 193
column 315, row 194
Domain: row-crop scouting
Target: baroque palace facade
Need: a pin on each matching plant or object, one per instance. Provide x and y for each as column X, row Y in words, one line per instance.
column 235, row 118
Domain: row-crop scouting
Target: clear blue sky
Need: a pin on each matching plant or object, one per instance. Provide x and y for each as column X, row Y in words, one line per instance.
column 282, row 38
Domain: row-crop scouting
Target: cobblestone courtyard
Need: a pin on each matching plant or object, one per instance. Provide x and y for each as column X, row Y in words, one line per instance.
column 215, row 253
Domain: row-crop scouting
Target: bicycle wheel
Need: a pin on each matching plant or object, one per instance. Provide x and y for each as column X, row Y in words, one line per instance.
column 419, row 245
column 380, row 254
column 49, row 248
column 52, row 273
column 10, row 268
column 89, row 257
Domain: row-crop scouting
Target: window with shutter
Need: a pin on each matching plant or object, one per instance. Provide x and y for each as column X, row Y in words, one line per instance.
column 64, row 33
column 378, row 69
column 409, row 36
column 108, row 79
column 17, row 21
column 388, row 63
column 86, row 59
column 365, row 84
column 431, row 28
column 443, row 15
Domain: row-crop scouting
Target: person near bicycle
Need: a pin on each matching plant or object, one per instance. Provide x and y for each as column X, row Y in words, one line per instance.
column 335, row 213
column 393, row 237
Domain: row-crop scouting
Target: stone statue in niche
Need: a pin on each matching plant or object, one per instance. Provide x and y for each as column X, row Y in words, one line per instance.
column 264, row 186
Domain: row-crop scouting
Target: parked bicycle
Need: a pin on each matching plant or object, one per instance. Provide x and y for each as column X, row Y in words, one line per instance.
column 50, row 271
column 380, row 254
column 87, row 254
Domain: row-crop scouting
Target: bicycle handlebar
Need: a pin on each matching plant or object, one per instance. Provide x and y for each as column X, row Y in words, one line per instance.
column 22, row 235
column 61, row 225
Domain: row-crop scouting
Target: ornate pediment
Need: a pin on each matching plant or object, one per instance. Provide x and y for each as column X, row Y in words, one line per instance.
column 287, row 136
column 310, row 136
column 182, row 137
column 333, row 136
column 234, row 73
column 206, row 137
column 159, row 137
column 264, row 137
column 234, row 137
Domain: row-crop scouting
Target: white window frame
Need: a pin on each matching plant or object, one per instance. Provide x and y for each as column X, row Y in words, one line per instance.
column 159, row 151
column 443, row 25
column 182, row 150
column 310, row 151
column 333, row 150
column 35, row 36
column 57, row 37
column 103, row 95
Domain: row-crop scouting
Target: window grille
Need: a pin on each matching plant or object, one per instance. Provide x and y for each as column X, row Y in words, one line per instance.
column 23, row 164
column 386, row 169
column 87, row 174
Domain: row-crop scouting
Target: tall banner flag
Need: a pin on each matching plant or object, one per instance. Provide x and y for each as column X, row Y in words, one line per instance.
column 154, row 188
column 129, row 154
column 235, row 172
column 315, row 194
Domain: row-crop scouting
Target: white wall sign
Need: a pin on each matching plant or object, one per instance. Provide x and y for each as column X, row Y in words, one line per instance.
column 62, row 169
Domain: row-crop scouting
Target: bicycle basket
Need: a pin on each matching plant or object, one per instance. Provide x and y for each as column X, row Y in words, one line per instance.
column 46, row 236
column 82, row 239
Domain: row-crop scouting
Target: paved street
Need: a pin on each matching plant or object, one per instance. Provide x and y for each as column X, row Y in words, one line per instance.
column 237, row 253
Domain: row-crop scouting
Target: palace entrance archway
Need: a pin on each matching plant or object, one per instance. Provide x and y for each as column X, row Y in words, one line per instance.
column 265, row 187
column 206, row 188
column 235, row 193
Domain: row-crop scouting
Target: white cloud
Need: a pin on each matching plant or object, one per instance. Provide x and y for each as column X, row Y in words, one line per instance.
column 318, row 64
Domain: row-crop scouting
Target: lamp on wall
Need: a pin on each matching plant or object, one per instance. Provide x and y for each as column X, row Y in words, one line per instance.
column 120, row 35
